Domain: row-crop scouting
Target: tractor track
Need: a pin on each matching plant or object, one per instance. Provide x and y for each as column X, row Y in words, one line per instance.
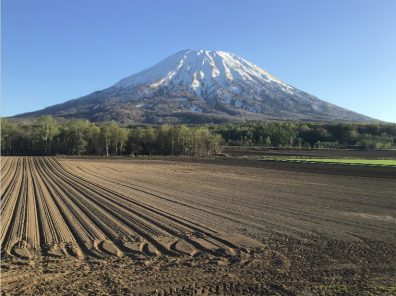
column 49, row 210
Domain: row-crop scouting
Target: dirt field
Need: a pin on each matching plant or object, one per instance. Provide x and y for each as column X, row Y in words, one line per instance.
column 152, row 227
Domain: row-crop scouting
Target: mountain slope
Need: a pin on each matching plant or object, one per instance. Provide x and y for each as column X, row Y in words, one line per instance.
column 200, row 86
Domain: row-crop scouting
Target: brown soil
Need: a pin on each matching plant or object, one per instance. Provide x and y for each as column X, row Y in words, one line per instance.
column 152, row 227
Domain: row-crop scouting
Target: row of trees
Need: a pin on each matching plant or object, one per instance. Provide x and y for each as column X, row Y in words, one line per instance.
column 46, row 136
column 310, row 135
column 80, row 137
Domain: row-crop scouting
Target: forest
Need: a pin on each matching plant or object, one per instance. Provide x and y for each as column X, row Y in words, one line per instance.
column 310, row 135
column 47, row 136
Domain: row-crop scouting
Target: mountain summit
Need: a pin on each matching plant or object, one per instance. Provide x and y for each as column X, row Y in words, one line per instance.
column 195, row 86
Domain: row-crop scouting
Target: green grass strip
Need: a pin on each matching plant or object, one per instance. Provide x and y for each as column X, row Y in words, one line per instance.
column 381, row 162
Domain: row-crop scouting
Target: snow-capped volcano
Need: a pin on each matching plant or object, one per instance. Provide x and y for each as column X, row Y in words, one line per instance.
column 203, row 71
column 200, row 86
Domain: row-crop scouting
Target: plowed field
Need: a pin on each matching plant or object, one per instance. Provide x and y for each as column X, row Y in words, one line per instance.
column 122, row 227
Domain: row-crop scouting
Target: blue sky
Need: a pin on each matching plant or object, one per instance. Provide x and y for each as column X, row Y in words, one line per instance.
column 343, row 51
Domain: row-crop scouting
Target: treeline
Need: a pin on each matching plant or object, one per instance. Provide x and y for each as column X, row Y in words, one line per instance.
column 46, row 136
column 80, row 137
column 310, row 135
